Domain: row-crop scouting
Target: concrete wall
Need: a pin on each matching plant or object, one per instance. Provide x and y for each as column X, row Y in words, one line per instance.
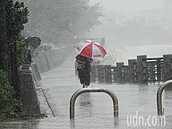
column 30, row 104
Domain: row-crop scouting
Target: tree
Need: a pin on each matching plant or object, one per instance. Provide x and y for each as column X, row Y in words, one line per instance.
column 88, row 20
column 12, row 17
column 8, row 103
column 59, row 21
column 16, row 16
column 21, row 50
column 3, row 37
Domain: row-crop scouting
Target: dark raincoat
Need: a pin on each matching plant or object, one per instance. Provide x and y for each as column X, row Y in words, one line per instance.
column 84, row 69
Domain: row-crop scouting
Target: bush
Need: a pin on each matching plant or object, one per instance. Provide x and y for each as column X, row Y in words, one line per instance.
column 21, row 50
column 8, row 102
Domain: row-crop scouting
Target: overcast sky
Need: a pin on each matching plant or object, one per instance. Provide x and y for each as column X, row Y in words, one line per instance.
column 129, row 5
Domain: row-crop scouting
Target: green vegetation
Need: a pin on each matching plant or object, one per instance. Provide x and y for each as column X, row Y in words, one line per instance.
column 16, row 17
column 13, row 16
column 21, row 50
column 8, row 102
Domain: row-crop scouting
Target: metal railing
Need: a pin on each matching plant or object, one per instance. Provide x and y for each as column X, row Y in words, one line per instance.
column 159, row 96
column 84, row 90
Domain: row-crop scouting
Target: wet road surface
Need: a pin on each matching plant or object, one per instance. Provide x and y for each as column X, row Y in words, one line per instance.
column 95, row 110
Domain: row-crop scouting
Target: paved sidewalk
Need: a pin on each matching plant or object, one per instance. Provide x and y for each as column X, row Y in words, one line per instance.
column 44, row 105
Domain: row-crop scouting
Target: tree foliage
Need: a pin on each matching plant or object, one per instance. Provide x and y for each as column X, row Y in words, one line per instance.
column 88, row 20
column 16, row 17
column 21, row 50
column 13, row 16
column 8, row 102
column 3, row 36
column 60, row 20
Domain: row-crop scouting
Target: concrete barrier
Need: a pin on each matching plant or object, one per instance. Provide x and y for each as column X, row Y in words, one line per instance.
column 35, row 71
column 29, row 99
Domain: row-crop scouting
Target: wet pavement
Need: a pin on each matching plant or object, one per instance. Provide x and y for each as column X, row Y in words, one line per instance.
column 94, row 110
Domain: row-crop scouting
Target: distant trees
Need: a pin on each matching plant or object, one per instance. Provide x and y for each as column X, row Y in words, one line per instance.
column 60, row 20
column 88, row 19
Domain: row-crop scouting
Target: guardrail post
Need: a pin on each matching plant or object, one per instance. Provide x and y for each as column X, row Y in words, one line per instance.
column 132, row 67
column 108, row 74
column 142, row 73
column 167, row 67
column 159, row 96
column 119, row 66
column 84, row 90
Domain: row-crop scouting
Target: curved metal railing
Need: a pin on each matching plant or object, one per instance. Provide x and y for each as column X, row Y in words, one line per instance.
column 159, row 96
column 84, row 90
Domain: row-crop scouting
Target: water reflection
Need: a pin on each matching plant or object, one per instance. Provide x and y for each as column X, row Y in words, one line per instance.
column 85, row 100
column 72, row 123
column 85, row 104
column 88, row 118
column 168, row 94
column 98, row 122
column 141, row 98
column 142, row 87
column 25, row 124
column 116, row 121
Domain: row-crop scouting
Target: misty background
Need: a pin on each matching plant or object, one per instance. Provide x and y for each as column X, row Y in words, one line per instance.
column 129, row 6
column 130, row 27
column 136, row 22
column 135, row 27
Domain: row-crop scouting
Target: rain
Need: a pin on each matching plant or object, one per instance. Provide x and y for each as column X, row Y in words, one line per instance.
column 127, row 30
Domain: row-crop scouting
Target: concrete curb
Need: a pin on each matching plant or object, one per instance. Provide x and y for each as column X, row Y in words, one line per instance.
column 45, row 107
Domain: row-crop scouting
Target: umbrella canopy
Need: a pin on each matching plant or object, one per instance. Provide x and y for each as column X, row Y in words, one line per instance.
column 90, row 49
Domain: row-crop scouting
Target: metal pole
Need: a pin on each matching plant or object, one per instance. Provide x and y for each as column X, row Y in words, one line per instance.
column 84, row 90
column 159, row 96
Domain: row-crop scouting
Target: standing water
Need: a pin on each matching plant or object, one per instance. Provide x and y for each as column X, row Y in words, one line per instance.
column 137, row 105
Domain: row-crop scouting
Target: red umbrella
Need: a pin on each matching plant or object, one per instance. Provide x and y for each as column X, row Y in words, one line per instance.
column 90, row 49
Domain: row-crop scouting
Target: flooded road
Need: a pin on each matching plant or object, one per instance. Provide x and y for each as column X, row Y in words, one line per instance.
column 95, row 110
column 137, row 105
